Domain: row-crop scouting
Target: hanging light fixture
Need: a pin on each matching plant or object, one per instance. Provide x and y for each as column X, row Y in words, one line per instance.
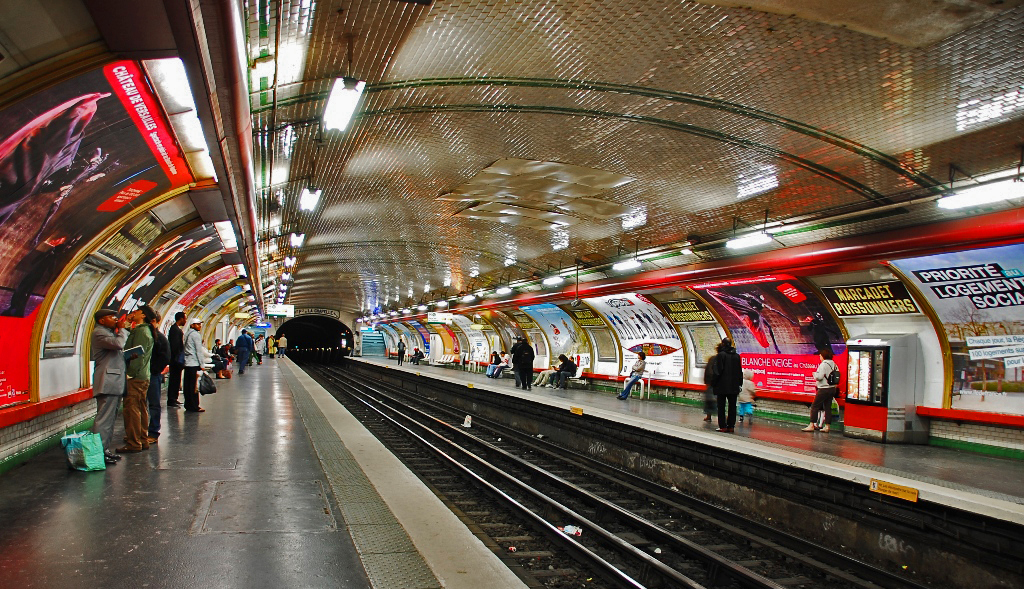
column 341, row 104
column 309, row 199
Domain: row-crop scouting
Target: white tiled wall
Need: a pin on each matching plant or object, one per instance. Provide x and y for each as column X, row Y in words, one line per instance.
column 992, row 435
column 21, row 436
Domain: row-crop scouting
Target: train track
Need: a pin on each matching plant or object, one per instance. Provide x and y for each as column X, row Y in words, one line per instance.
column 527, row 497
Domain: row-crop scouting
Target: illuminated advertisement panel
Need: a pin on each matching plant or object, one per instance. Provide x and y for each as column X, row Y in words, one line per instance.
column 73, row 160
column 477, row 342
column 197, row 290
column 562, row 332
column 505, row 326
column 423, row 333
column 642, row 327
column 778, row 325
column 978, row 296
column 150, row 274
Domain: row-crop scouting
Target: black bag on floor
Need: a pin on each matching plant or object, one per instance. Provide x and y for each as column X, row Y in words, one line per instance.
column 206, row 386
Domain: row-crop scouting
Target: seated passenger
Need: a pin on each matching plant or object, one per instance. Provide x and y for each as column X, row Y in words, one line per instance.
column 495, row 361
column 544, row 377
column 566, row 370
column 417, row 355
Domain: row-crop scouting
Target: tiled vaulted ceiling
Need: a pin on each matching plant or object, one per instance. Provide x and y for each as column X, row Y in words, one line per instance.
column 717, row 113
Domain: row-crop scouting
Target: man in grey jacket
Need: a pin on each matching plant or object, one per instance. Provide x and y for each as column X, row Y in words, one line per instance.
column 108, row 377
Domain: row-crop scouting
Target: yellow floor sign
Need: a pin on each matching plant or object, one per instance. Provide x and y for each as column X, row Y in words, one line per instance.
column 893, row 490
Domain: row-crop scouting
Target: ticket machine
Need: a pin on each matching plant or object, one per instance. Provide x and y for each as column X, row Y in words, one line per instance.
column 881, row 389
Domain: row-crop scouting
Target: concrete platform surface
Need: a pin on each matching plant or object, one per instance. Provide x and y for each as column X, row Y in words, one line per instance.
column 975, row 482
column 258, row 491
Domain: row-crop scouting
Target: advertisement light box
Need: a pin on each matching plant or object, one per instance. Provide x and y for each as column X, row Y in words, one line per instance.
column 276, row 310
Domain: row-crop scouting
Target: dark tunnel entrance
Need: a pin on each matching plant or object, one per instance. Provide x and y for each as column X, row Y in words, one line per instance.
column 316, row 334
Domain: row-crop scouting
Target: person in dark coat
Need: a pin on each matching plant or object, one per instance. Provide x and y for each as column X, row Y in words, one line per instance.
column 726, row 380
column 176, row 339
column 157, row 362
column 108, row 376
column 401, row 351
column 522, row 362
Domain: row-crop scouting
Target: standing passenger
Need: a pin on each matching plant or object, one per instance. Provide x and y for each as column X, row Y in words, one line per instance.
column 136, row 405
column 522, row 362
column 107, row 351
column 244, row 347
column 176, row 338
column 710, row 374
column 159, row 361
column 747, row 394
column 282, row 344
column 194, row 355
column 727, row 384
column 401, row 351
column 825, row 392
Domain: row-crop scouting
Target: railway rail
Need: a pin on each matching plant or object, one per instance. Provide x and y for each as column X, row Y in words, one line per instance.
column 632, row 532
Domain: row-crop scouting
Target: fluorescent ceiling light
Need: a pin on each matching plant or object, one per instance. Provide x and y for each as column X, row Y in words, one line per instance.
column 289, row 261
column 985, row 194
column 297, row 239
column 441, row 303
column 308, row 199
column 750, row 240
column 504, row 290
column 629, row 264
column 469, row 298
column 227, row 235
column 474, row 273
column 552, row 280
column 407, row 311
column 284, row 287
column 286, row 276
column 686, row 251
column 342, row 102
column 393, row 313
column 421, row 308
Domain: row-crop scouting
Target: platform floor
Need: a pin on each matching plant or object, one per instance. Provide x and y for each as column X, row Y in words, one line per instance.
column 982, row 483
column 275, row 485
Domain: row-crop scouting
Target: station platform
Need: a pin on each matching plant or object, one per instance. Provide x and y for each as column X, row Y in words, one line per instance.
column 275, row 485
column 976, row 483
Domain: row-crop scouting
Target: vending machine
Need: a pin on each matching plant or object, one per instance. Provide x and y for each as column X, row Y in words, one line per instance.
column 882, row 392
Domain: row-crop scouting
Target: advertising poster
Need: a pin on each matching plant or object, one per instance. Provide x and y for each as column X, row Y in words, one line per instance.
column 641, row 326
column 423, row 333
column 778, row 325
column 505, row 326
column 197, row 290
column 979, row 297
column 150, row 274
column 562, row 332
column 72, row 158
column 478, row 350
column 522, row 320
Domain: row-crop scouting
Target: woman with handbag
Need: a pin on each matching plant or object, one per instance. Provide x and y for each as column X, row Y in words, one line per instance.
column 826, row 391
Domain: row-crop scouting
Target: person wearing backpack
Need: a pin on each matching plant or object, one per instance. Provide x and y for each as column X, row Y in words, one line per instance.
column 826, row 378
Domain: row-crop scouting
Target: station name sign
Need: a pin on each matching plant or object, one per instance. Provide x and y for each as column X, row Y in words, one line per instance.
column 318, row 311
column 688, row 311
column 279, row 310
column 522, row 319
column 435, row 318
column 585, row 317
column 877, row 298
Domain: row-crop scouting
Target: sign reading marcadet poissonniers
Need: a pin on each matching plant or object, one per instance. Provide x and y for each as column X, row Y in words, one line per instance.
column 688, row 311
column 877, row 298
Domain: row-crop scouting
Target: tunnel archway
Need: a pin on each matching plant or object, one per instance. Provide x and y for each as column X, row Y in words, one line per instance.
column 315, row 331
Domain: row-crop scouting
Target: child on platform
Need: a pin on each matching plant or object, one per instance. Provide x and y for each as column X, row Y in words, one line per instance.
column 747, row 395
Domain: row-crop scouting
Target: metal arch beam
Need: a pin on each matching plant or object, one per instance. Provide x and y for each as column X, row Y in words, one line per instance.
column 815, row 168
column 883, row 159
column 420, row 244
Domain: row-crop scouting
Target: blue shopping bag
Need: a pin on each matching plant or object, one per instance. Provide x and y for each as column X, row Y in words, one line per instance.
column 84, row 451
